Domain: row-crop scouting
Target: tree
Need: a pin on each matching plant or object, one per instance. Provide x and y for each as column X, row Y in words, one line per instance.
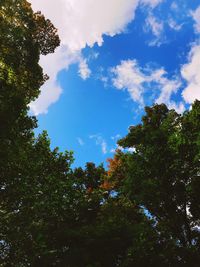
column 24, row 36
column 163, row 175
column 144, row 208
column 36, row 196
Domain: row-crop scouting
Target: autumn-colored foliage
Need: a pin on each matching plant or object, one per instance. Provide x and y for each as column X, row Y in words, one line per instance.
column 115, row 172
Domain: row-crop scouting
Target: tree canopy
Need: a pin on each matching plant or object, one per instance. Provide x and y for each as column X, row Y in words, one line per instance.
column 163, row 174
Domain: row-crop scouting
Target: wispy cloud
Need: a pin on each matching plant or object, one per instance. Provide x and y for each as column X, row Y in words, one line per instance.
column 174, row 6
column 191, row 73
column 174, row 25
column 196, row 16
column 128, row 75
column 80, row 141
column 152, row 3
column 99, row 140
column 84, row 71
column 156, row 27
column 116, row 137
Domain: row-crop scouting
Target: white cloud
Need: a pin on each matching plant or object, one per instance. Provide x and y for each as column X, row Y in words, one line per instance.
column 174, row 25
column 155, row 26
column 100, row 141
column 136, row 80
column 127, row 76
column 79, row 23
column 168, row 87
column 191, row 73
column 130, row 149
column 84, row 22
column 104, row 80
column 80, row 141
column 116, row 137
column 50, row 93
column 51, row 90
column 112, row 150
column 104, row 147
column 174, row 6
column 84, row 71
column 179, row 107
column 151, row 3
column 196, row 17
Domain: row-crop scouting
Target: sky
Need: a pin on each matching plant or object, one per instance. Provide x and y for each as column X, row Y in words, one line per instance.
column 115, row 58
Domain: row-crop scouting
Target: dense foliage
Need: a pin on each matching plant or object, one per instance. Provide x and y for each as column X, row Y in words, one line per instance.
column 163, row 175
column 143, row 211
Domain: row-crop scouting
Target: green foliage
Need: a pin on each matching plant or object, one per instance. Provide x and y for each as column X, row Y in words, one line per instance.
column 163, row 174
column 24, row 35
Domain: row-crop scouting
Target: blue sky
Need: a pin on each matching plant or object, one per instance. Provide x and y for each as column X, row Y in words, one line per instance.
column 114, row 59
